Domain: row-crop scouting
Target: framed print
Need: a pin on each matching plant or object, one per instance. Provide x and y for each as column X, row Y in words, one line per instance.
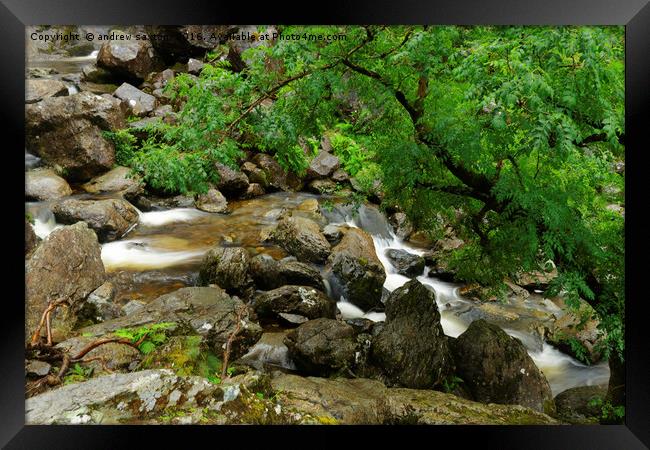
column 411, row 218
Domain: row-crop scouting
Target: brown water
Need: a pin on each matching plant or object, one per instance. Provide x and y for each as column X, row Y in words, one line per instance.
column 165, row 250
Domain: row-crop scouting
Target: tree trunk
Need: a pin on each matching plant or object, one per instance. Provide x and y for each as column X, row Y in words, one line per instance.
column 616, row 388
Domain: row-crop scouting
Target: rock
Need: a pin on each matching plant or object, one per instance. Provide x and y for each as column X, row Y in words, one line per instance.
column 186, row 354
column 537, row 279
column 116, row 357
column 302, row 238
column 496, row 368
column 355, row 264
column 322, row 347
column 31, row 240
column 411, row 349
column 213, row 202
column 67, row 132
column 132, row 306
column 269, row 274
column 209, row 311
column 231, row 182
column 120, row 180
column 340, row 176
column 255, row 174
column 179, row 42
column 368, row 402
column 110, row 218
column 323, row 165
column 574, row 405
column 101, row 303
column 253, row 190
column 164, row 111
column 227, row 267
column 67, row 265
column 93, row 74
column 153, row 203
column 299, row 300
column 194, row 66
column 97, row 88
column 321, row 186
column 580, row 326
column 37, row 90
column 44, row 184
column 275, row 175
column 333, row 234
column 401, row 225
column 120, row 397
column 406, row 263
column 138, row 102
column 128, row 60
column 37, row 368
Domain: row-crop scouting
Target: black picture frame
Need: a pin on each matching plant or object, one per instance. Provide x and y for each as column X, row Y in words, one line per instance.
column 634, row 14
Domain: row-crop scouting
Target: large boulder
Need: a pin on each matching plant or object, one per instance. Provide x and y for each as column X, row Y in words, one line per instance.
column 411, row 349
column 120, row 180
column 323, row 165
column 354, row 262
column 37, row 90
column 254, row 174
column 276, row 176
column 322, row 347
column 406, row 263
column 110, row 218
column 302, row 238
column 208, row 311
column 128, row 60
column 212, row 201
column 228, row 268
column 231, row 182
column 579, row 405
column 179, row 43
column 65, row 266
column 270, row 274
column 120, row 397
column 496, row 368
column 44, row 184
column 295, row 300
column 362, row 401
column 67, row 132
column 138, row 102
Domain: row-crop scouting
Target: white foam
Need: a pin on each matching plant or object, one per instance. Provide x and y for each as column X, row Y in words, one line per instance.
column 131, row 254
column 158, row 218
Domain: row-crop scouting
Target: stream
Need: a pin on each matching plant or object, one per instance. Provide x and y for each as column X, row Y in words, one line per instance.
column 164, row 252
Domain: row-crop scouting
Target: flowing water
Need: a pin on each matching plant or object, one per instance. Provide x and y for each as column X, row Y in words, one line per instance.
column 164, row 251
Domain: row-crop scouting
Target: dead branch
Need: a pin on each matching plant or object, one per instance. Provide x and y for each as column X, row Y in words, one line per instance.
column 231, row 339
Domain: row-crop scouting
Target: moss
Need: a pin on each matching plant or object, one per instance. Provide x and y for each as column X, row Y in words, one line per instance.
column 185, row 355
column 327, row 420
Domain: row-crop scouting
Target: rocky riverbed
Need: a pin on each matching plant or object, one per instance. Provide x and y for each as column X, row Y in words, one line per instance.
column 271, row 298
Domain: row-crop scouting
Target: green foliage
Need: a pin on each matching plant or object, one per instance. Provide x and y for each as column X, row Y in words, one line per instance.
column 149, row 337
column 29, row 218
column 504, row 133
column 77, row 373
column 452, row 383
column 608, row 412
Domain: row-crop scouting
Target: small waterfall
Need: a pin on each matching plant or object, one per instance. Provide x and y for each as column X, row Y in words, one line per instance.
column 31, row 161
column 44, row 221
column 159, row 218
column 142, row 254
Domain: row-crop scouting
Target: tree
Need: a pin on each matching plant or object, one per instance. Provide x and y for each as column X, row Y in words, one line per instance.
column 506, row 132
